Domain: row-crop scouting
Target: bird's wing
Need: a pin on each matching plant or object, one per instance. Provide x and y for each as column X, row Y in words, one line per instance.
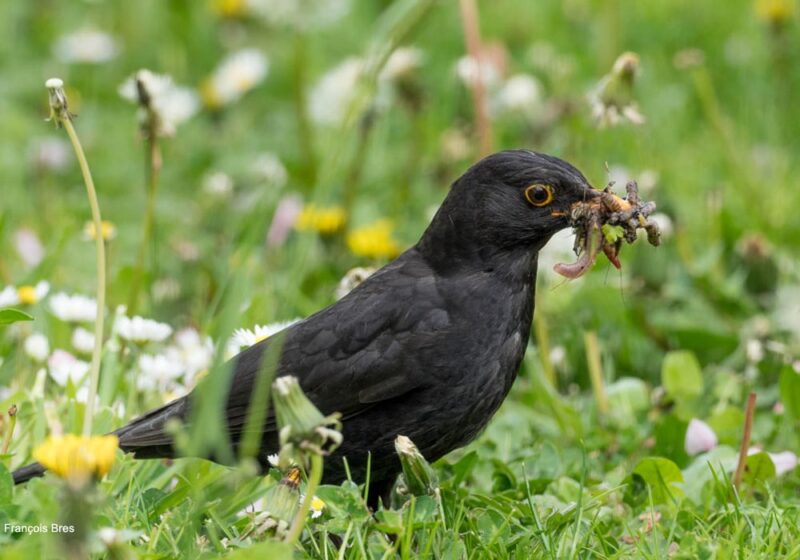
column 359, row 352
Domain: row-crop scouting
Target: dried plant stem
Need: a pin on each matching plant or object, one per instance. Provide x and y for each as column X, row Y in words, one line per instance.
column 748, row 428
column 472, row 38
column 94, row 371
column 153, row 165
column 314, row 478
column 596, row 370
column 543, row 345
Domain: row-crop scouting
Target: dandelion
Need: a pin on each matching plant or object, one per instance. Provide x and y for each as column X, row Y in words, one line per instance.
column 160, row 99
column 699, row 437
column 373, row 241
column 140, row 330
column 82, row 340
column 87, row 45
column 77, row 458
column 775, row 12
column 612, row 100
column 64, row 367
column 244, row 338
column 268, row 168
column 24, row 295
column 37, row 347
column 323, row 220
column 353, row 278
column 28, row 247
column 239, row 73
column 73, row 308
column 108, row 231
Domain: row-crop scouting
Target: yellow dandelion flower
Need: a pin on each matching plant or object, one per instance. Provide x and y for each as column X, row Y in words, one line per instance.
column 373, row 241
column 77, row 458
column 229, row 8
column 107, row 229
column 775, row 11
column 322, row 220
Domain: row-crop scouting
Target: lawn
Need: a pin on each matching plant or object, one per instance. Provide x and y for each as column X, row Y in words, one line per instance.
column 276, row 152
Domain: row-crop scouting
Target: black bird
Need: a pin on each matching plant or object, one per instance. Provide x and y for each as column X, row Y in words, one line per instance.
column 428, row 346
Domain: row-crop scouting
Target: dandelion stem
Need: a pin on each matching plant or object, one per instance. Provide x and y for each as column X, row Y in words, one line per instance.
column 99, row 243
column 596, row 370
column 748, row 428
column 472, row 38
column 313, row 482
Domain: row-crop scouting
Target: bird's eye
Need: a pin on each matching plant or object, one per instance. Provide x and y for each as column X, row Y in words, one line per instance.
column 539, row 195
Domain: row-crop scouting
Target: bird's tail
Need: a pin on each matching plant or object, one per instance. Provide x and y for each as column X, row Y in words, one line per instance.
column 145, row 437
column 24, row 474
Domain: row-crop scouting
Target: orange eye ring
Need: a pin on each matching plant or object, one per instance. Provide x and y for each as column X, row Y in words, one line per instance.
column 539, row 195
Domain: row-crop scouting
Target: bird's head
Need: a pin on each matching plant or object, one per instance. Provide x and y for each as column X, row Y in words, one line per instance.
column 510, row 201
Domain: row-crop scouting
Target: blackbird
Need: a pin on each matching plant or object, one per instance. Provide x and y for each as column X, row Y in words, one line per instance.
column 429, row 345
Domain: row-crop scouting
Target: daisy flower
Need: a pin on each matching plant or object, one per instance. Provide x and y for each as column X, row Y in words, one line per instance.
column 73, row 308
column 158, row 372
column 37, row 347
column 24, row 295
column 244, row 338
column 83, row 340
column 239, row 73
column 140, row 330
column 64, row 367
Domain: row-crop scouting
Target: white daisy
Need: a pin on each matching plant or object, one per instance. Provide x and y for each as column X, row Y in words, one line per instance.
column 37, row 347
column 86, row 45
column 401, row 63
column 73, row 308
column 236, row 75
column 64, row 367
column 244, row 338
column 83, row 340
column 171, row 104
column 467, row 70
column 24, row 295
column 140, row 330
column 194, row 351
column 158, row 372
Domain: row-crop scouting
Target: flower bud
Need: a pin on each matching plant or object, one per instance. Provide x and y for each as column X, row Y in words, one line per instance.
column 419, row 478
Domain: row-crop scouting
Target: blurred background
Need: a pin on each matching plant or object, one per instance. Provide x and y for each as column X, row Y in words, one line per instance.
column 367, row 107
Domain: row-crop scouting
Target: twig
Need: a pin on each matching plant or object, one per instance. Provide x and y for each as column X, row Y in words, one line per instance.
column 596, row 370
column 472, row 38
column 748, row 427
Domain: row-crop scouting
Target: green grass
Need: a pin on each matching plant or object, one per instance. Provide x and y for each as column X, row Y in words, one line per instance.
column 551, row 477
